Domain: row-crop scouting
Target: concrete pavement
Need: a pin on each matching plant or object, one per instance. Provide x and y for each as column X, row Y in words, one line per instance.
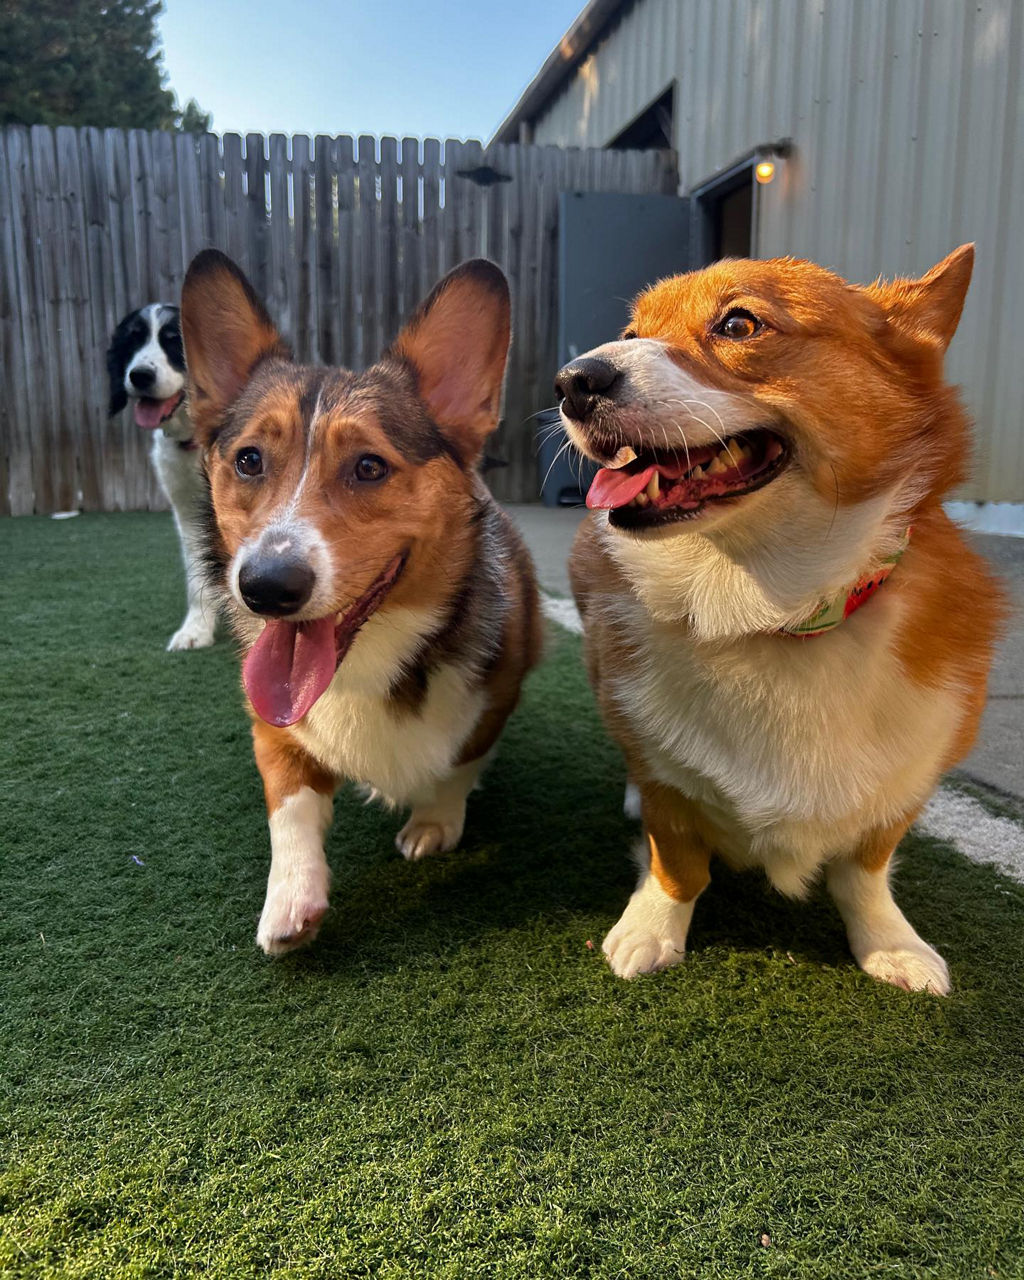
column 997, row 761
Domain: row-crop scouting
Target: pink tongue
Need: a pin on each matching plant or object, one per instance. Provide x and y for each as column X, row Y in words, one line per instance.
column 616, row 488
column 150, row 413
column 289, row 667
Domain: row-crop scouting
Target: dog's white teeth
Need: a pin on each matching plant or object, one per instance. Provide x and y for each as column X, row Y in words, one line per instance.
column 623, row 458
column 642, row 499
column 654, row 487
column 718, row 465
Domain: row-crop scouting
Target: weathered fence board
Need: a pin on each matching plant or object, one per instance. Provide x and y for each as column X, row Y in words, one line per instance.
column 342, row 237
column 17, row 340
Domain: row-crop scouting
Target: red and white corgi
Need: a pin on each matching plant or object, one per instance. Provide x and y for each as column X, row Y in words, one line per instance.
column 387, row 607
column 788, row 638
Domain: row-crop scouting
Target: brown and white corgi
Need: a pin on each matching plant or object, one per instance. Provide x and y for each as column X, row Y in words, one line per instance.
column 774, row 446
column 387, row 607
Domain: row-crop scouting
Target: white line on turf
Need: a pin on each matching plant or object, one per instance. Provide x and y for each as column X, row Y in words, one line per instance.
column 979, row 835
column 949, row 815
column 562, row 611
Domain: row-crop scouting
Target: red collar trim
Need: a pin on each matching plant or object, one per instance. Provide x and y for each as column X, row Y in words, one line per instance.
column 830, row 613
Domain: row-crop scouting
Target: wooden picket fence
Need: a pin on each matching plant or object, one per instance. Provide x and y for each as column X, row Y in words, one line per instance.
column 341, row 236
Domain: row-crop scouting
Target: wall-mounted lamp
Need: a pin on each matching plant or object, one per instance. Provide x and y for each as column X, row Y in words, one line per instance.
column 764, row 171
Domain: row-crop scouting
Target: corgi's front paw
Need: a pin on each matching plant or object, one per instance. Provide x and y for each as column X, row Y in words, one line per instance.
column 914, row 967
column 635, row 950
column 291, row 917
column 650, row 934
column 191, row 635
column 422, row 836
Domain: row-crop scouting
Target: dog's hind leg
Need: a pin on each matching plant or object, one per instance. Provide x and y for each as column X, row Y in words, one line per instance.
column 651, row 932
column 299, row 798
column 439, row 814
column 883, row 941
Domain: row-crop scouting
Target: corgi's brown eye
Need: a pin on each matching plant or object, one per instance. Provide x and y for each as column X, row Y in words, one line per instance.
column 249, row 462
column 739, row 324
column 371, row 468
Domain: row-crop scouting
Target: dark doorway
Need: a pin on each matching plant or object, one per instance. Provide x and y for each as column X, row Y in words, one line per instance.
column 733, row 222
column 725, row 215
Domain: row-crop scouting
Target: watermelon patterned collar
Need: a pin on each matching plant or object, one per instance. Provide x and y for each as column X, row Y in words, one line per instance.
column 830, row 613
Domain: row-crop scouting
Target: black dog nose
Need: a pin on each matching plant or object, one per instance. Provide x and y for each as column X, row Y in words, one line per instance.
column 275, row 585
column 581, row 382
column 142, row 378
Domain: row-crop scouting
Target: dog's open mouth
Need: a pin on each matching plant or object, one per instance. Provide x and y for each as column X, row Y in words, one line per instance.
column 151, row 413
column 292, row 663
column 658, row 487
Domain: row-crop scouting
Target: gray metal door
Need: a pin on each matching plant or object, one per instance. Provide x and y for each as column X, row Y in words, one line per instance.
column 610, row 246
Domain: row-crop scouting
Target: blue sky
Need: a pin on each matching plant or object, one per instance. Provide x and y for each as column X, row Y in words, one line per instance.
column 429, row 68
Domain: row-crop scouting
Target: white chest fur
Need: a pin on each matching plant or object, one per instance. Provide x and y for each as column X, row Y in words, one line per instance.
column 795, row 748
column 356, row 731
column 180, row 471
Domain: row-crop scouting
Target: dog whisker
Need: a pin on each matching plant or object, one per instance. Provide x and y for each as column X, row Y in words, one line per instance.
column 687, row 401
column 554, row 460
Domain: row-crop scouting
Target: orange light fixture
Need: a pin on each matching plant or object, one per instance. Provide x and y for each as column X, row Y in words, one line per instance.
column 764, row 171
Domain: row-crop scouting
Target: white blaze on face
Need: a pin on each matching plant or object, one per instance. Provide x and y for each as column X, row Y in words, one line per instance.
column 167, row 381
column 287, row 533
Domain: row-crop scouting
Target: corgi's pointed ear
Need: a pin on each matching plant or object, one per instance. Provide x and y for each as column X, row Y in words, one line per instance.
column 929, row 309
column 226, row 332
column 457, row 345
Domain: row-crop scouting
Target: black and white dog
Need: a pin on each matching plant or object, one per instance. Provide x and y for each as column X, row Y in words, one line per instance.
column 146, row 364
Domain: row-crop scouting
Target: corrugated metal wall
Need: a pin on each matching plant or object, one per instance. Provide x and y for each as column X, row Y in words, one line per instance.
column 908, row 119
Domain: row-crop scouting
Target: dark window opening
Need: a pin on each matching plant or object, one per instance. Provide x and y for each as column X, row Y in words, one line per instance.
column 653, row 129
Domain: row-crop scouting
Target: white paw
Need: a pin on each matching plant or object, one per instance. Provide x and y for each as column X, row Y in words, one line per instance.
column 914, row 967
column 651, row 932
column 291, row 915
column 632, row 951
column 191, row 635
column 420, row 837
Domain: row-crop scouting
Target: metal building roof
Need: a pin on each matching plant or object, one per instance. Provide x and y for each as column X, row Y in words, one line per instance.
column 559, row 65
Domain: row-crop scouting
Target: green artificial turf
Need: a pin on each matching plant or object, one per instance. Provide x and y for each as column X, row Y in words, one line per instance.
column 451, row 1083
